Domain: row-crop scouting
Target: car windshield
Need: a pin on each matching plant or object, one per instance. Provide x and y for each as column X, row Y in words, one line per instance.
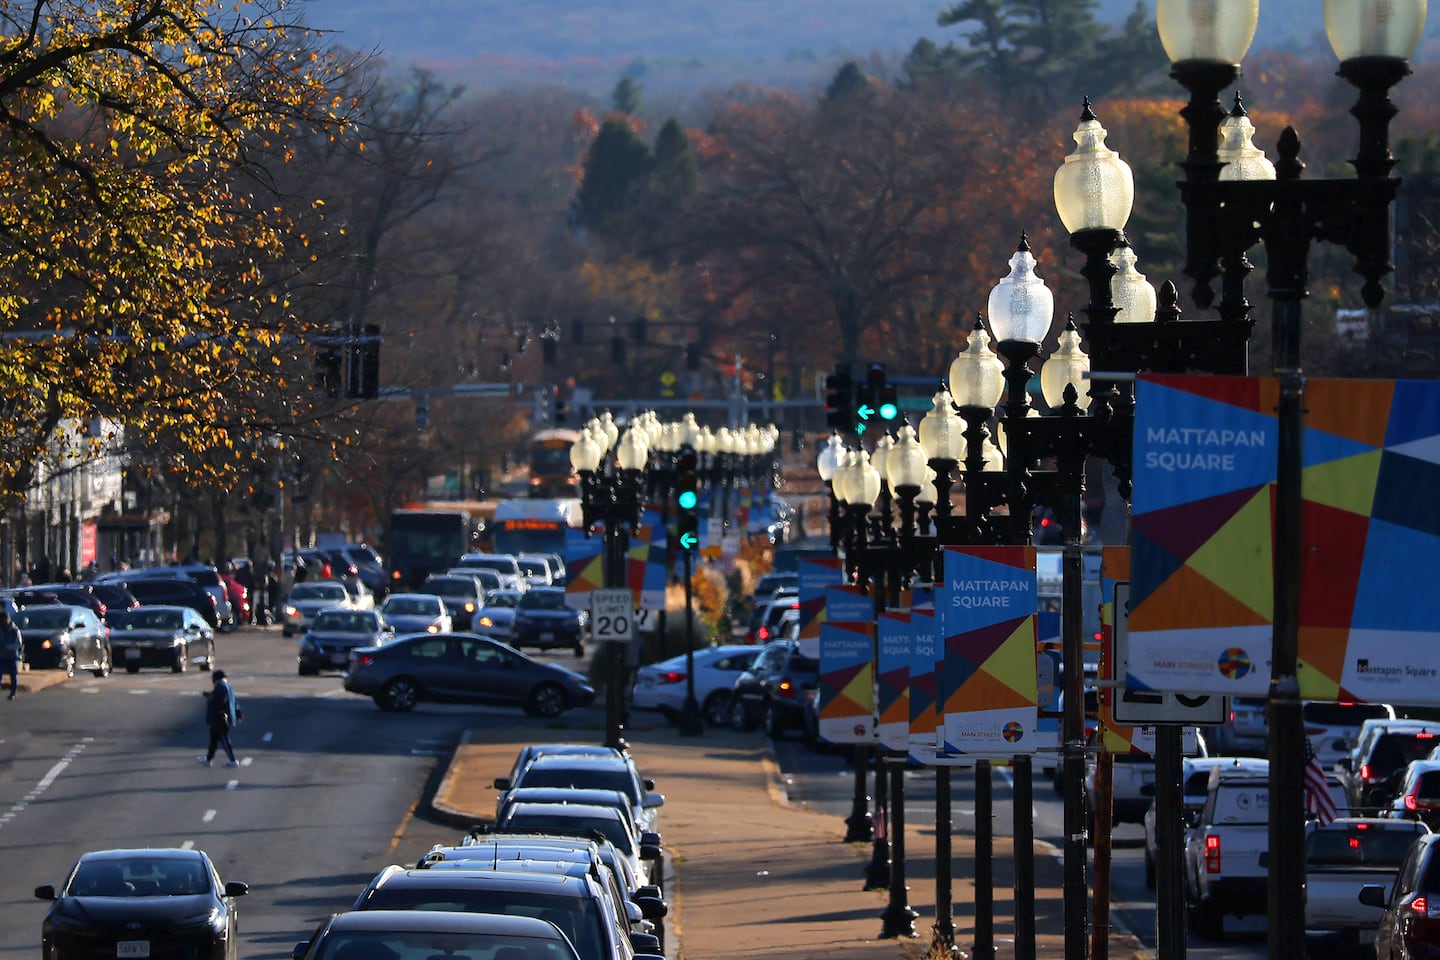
column 579, row 919
column 597, row 778
column 141, row 877
column 43, row 618
column 425, row 944
column 505, row 598
column 346, row 621
column 143, row 619
column 412, row 606
column 450, row 587
column 317, row 591
column 543, row 600
column 539, row 567
column 1343, row 714
column 535, row 821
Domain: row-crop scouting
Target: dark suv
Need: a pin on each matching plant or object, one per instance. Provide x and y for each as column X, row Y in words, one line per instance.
column 1381, row 758
column 772, row 689
column 1411, row 924
column 176, row 592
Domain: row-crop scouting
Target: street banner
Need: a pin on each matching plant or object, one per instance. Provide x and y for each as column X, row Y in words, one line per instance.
column 645, row 564
column 1369, row 617
column 817, row 574
column 846, row 686
column 1202, row 584
column 895, row 641
column 924, row 718
column 988, row 689
column 584, row 567
column 1202, row 587
column 848, row 604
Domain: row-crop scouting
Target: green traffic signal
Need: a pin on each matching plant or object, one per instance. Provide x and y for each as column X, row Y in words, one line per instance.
column 889, row 411
column 687, row 500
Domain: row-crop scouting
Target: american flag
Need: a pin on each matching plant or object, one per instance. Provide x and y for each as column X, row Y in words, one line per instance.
column 1318, row 801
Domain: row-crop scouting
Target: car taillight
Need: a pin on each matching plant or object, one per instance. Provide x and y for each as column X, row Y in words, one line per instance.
column 1364, row 771
column 362, row 659
column 1411, row 803
column 762, row 634
column 786, row 688
column 1423, row 906
column 671, row 676
column 1212, row 854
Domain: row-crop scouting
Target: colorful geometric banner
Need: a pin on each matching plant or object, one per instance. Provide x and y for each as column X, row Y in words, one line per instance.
column 817, row 574
column 924, row 717
column 645, row 565
column 847, row 682
column 1369, row 622
column 895, row 641
column 584, row 567
column 1202, row 584
column 988, row 687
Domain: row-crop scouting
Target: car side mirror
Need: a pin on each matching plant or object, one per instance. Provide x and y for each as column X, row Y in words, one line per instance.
column 234, row 888
column 1372, row 895
column 652, row 908
column 649, row 851
column 299, row 950
column 644, row 943
column 653, row 800
column 1343, row 763
column 46, row 891
column 651, row 837
column 648, row 890
column 502, row 783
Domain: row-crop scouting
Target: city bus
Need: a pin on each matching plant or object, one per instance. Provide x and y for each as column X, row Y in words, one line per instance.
column 548, row 456
column 426, row 539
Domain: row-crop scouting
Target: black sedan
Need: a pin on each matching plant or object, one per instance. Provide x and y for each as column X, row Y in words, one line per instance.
column 333, row 633
column 542, row 620
column 462, row 668
column 420, row 934
column 64, row 638
column 135, row 904
column 161, row 636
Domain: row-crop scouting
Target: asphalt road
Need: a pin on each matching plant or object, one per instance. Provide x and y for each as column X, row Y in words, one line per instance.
column 325, row 796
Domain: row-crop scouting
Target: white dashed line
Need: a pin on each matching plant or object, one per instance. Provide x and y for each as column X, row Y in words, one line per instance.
column 247, row 761
column 139, row 692
column 188, row 845
column 268, row 737
column 44, row 782
column 209, row 815
column 232, row 784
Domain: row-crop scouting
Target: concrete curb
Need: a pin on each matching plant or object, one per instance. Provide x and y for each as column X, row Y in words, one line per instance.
column 439, row 805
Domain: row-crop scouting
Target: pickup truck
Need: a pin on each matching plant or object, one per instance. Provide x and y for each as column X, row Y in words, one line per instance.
column 1341, row 858
column 1226, row 854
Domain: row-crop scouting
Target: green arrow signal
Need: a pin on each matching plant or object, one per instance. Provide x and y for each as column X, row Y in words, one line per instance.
column 864, row 411
column 688, row 541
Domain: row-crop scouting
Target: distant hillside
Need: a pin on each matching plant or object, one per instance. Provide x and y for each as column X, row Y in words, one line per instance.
column 680, row 46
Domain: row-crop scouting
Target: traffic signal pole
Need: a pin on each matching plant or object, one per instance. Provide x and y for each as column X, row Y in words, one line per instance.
column 687, row 529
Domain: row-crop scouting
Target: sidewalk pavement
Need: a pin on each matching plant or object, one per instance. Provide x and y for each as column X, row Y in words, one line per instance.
column 749, row 874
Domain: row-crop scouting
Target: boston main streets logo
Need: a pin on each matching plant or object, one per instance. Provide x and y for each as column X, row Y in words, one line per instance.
column 1012, row 731
column 1234, row 663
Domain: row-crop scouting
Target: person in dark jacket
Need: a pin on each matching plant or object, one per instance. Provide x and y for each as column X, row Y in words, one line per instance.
column 12, row 651
column 221, row 713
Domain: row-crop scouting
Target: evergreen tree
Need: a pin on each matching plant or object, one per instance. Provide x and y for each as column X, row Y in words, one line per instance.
column 626, row 96
column 616, row 169
column 848, row 85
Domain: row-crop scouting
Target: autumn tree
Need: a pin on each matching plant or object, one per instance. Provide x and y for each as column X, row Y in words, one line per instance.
column 137, row 220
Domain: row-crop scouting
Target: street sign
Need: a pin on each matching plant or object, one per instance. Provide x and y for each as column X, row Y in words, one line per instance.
column 612, row 615
column 1153, row 707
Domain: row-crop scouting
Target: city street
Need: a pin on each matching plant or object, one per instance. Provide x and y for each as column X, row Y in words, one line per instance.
column 328, row 788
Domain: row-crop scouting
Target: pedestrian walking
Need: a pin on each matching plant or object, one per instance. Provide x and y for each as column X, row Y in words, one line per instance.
column 12, row 649
column 221, row 714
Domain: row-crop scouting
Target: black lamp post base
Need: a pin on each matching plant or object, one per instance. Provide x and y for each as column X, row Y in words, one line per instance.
column 898, row 923
column 690, row 723
column 877, row 872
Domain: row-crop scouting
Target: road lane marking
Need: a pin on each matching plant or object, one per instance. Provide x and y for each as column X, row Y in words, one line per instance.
column 268, row 737
column 232, row 784
column 246, row 762
column 209, row 815
column 188, row 845
column 44, row 782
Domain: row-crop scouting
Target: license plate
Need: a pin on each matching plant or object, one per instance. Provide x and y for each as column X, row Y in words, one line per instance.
column 546, row 636
column 133, row 653
column 132, row 948
column 339, row 659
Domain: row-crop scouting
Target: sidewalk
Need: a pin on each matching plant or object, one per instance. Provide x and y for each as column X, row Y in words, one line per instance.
column 753, row 875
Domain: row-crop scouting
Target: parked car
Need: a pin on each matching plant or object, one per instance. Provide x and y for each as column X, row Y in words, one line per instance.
column 544, row 621
column 416, row 613
column 209, row 578
column 663, row 686
column 161, row 636
column 512, row 846
column 600, row 798
column 462, row 668
column 71, row 594
column 412, row 934
column 770, row 689
column 1410, row 924
column 497, row 617
column 585, row 820
column 64, row 638
column 588, row 771
column 307, row 599
column 577, row 905
column 536, row 570
column 173, row 591
column 115, row 596
column 462, row 596
column 1418, row 796
column 326, row 645
column 142, row 903
column 530, row 751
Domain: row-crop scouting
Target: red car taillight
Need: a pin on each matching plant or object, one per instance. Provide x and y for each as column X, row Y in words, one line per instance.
column 1365, row 771
column 1212, row 854
column 670, row 676
column 362, row 659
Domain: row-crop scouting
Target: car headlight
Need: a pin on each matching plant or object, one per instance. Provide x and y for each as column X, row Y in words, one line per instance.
column 469, row 607
column 291, row 611
column 433, row 628
column 213, row 919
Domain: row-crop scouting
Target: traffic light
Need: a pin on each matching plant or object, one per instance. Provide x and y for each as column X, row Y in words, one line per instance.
column 878, row 403
column 363, row 363
column 687, row 500
column 840, row 399
column 327, row 372
column 692, row 356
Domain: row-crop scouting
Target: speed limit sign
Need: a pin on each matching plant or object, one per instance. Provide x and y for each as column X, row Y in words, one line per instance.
column 612, row 615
